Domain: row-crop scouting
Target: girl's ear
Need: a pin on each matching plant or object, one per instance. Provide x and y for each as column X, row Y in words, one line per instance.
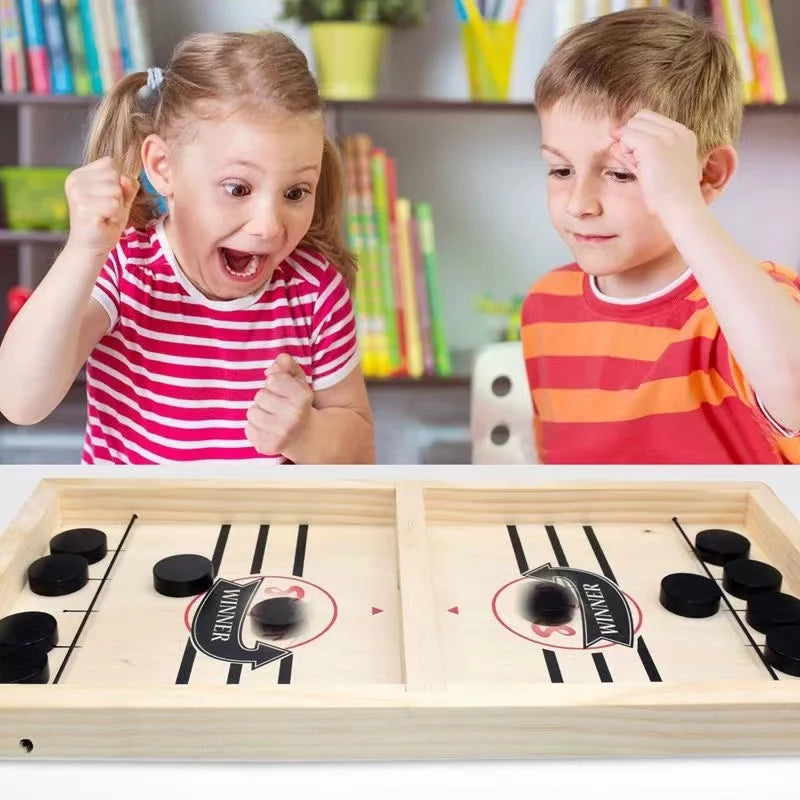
column 719, row 167
column 155, row 158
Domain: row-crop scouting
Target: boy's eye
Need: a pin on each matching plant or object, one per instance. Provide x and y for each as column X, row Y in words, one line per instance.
column 622, row 177
column 236, row 189
column 560, row 172
column 296, row 194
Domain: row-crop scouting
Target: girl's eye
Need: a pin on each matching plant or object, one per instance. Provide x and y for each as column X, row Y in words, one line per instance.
column 560, row 172
column 236, row 189
column 622, row 177
column 296, row 194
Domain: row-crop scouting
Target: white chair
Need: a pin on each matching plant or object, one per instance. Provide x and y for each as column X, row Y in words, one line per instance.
column 501, row 413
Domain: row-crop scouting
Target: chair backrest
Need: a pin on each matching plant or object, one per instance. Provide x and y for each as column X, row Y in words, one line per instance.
column 501, row 413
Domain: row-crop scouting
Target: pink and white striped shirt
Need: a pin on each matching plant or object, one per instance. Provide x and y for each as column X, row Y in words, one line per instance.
column 174, row 375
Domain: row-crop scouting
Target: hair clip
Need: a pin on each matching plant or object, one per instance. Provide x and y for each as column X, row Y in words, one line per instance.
column 152, row 89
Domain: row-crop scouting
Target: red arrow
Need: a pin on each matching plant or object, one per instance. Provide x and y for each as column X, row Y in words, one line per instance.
column 453, row 610
column 376, row 611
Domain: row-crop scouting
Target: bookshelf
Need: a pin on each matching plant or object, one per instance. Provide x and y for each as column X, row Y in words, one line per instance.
column 378, row 104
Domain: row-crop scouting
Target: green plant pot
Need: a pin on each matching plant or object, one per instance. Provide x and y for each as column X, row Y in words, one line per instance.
column 348, row 58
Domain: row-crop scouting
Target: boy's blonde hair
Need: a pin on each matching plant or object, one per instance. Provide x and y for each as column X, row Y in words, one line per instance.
column 655, row 58
column 212, row 72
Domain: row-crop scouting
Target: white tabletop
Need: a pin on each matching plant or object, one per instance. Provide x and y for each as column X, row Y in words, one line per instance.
column 604, row 778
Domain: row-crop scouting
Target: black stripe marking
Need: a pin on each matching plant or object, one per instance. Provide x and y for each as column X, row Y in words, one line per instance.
column 516, row 546
column 261, row 546
column 600, row 663
column 285, row 671
column 727, row 602
column 641, row 648
column 598, row 553
column 300, row 551
column 187, row 662
column 558, row 551
column 550, row 659
column 89, row 610
column 602, row 668
column 647, row 661
column 185, row 669
column 553, row 670
column 219, row 549
column 235, row 670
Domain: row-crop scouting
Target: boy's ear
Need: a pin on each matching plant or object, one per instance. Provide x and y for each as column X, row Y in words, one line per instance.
column 718, row 168
column 155, row 159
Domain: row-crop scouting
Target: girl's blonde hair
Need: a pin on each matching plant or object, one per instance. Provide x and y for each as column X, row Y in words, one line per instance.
column 653, row 58
column 206, row 70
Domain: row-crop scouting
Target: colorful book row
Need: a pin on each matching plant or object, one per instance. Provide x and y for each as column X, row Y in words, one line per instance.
column 749, row 25
column 80, row 47
column 398, row 298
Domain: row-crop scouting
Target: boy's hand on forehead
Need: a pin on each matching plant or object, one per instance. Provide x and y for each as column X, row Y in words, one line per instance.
column 281, row 409
column 662, row 154
column 100, row 201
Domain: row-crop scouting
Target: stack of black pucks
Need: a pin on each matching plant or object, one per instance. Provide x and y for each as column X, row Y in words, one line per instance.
column 25, row 640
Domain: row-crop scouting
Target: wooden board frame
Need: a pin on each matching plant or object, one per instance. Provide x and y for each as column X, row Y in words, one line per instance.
column 423, row 717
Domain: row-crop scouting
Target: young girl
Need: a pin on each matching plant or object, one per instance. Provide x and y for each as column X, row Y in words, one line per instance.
column 225, row 329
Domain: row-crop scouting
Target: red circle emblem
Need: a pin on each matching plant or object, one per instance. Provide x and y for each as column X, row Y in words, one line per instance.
column 505, row 608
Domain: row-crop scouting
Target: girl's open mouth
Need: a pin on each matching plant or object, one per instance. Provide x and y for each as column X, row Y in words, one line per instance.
column 240, row 265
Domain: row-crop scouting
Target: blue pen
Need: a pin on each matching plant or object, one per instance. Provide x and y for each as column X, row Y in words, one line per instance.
column 460, row 10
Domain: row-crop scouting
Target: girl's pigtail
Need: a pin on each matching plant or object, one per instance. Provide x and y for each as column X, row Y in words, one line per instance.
column 123, row 121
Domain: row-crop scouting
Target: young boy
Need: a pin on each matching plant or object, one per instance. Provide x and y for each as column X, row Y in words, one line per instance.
column 664, row 342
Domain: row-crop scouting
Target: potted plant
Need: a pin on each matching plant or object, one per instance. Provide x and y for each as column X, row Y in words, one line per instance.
column 348, row 38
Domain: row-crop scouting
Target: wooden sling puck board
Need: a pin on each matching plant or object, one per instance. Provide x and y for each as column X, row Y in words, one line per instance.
column 414, row 640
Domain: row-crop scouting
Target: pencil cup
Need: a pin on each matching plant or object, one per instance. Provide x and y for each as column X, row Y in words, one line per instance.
column 489, row 59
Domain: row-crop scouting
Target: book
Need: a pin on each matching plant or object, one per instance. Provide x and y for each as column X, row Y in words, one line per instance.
column 399, row 301
column 137, row 23
column 56, row 38
column 415, row 361
column 424, row 215
column 13, row 71
column 88, row 26
column 36, row 56
column 357, row 245
column 778, row 79
column 381, row 207
column 737, row 35
column 362, row 147
column 76, row 47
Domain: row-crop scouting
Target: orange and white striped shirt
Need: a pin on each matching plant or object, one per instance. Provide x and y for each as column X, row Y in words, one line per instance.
column 650, row 380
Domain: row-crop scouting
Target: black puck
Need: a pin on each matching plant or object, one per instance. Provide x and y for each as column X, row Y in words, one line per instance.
column 24, row 665
column 782, row 649
column 690, row 595
column 717, row 546
column 768, row 610
column 744, row 577
column 548, row 603
column 60, row 574
column 183, row 575
column 33, row 629
column 90, row 543
column 277, row 615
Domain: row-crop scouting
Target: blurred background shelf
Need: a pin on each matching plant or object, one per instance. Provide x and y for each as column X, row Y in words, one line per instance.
column 378, row 104
column 32, row 237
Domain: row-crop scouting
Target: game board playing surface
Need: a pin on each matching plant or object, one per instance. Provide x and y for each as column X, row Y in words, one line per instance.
column 398, row 620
